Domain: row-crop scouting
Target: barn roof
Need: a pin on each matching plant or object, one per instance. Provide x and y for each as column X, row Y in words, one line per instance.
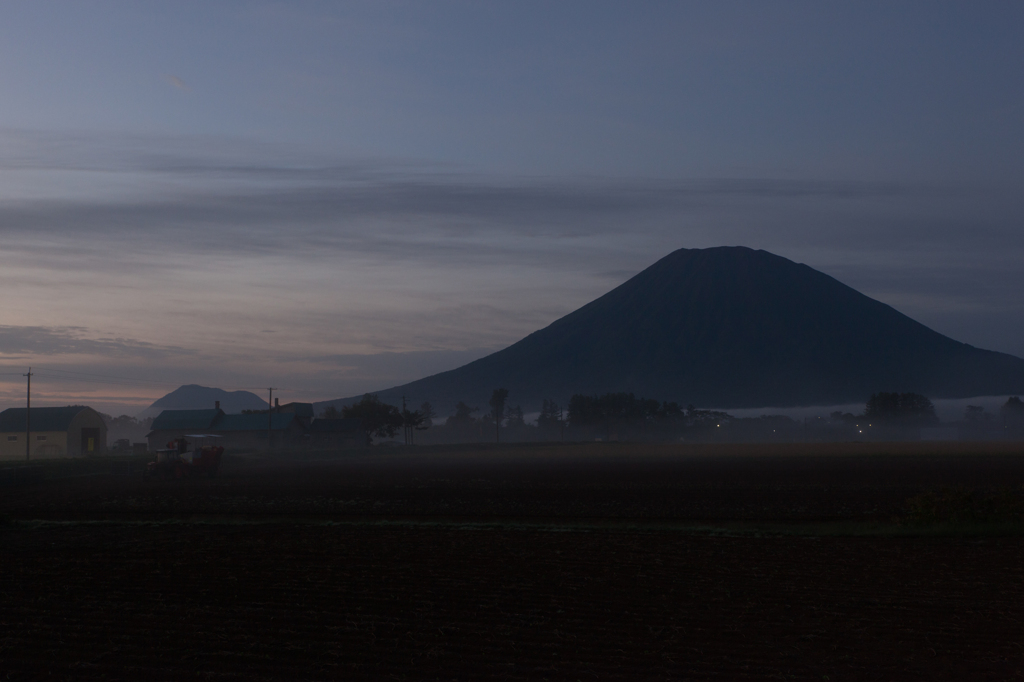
column 43, row 418
column 185, row 420
column 304, row 410
column 335, row 425
column 253, row 422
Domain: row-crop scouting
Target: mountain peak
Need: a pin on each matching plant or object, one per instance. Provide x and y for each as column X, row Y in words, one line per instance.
column 196, row 397
column 728, row 327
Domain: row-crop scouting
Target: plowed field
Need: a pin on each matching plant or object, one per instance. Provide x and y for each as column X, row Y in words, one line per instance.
column 511, row 569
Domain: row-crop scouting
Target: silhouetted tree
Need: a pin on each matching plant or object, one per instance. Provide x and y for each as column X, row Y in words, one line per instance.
column 412, row 421
column 428, row 415
column 379, row 419
column 514, row 418
column 671, row 412
column 1012, row 412
column 550, row 421
column 975, row 414
column 118, row 422
column 706, row 424
column 329, row 412
column 497, row 403
column 463, row 415
column 613, row 411
column 902, row 409
column 550, row 416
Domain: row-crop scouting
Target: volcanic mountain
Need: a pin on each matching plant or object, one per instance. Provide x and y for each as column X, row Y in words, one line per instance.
column 194, row 397
column 727, row 327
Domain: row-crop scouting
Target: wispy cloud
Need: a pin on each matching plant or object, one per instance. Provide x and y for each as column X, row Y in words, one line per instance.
column 424, row 213
column 51, row 341
column 415, row 266
column 177, row 82
column 398, row 367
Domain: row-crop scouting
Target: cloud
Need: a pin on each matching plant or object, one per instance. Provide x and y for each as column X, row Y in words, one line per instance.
column 177, row 82
column 400, row 367
column 401, row 255
column 385, row 214
column 30, row 341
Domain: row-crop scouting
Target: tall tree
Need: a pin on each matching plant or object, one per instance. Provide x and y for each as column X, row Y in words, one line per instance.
column 463, row 415
column 514, row 418
column 428, row 415
column 1013, row 413
column 412, row 421
column 550, row 418
column 902, row 409
column 378, row 419
column 975, row 414
column 497, row 403
column 545, row 414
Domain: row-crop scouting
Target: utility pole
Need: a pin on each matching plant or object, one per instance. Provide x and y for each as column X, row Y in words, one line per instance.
column 270, row 417
column 28, row 414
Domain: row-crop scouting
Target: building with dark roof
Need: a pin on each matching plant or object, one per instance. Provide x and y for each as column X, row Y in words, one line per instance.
column 250, row 431
column 288, row 427
column 72, row 431
column 236, row 431
column 303, row 411
column 173, row 424
column 186, row 419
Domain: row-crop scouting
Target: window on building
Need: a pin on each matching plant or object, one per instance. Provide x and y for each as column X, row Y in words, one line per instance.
column 40, row 437
column 12, row 438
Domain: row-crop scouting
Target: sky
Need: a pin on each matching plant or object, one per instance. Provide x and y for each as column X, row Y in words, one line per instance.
column 332, row 198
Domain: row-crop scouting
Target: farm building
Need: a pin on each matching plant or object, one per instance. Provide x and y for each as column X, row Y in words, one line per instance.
column 304, row 411
column 236, row 431
column 72, row 431
column 172, row 424
column 249, row 431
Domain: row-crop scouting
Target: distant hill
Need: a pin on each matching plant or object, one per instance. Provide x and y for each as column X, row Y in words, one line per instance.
column 193, row 397
column 726, row 327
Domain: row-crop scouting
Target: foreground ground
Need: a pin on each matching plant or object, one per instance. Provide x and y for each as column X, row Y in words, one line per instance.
column 529, row 563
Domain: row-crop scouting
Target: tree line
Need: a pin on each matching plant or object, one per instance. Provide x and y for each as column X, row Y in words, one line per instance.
column 624, row 416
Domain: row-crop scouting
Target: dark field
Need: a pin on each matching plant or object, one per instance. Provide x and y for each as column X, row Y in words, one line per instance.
column 558, row 562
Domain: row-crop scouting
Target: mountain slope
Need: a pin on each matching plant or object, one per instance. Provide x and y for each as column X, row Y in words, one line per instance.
column 728, row 327
column 193, row 397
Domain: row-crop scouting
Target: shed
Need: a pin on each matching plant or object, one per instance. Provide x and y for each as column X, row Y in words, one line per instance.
column 72, row 431
column 172, row 424
column 304, row 411
column 250, row 431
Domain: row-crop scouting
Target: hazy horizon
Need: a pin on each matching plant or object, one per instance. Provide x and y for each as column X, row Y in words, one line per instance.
column 339, row 199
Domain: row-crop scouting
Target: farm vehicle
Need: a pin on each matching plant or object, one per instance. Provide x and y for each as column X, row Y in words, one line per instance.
column 182, row 459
